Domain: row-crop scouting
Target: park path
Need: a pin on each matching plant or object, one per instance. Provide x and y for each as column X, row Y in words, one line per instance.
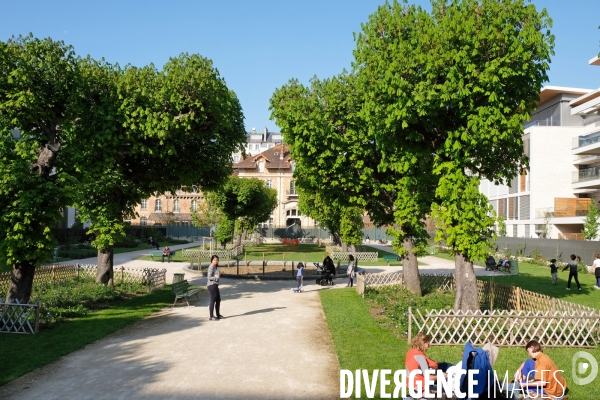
column 274, row 344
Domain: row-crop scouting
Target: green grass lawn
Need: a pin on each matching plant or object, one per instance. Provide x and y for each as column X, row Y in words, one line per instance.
column 362, row 343
column 538, row 279
column 28, row 352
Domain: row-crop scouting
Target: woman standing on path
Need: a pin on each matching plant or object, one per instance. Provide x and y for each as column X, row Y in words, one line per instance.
column 350, row 271
column 212, row 285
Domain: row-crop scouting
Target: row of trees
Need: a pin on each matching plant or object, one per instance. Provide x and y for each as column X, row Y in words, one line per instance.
column 82, row 132
column 435, row 102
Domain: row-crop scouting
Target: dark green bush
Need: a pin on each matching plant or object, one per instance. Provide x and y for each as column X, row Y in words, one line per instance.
column 127, row 242
column 77, row 253
column 75, row 298
column 394, row 301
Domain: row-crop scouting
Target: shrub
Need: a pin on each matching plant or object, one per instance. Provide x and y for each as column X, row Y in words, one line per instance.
column 394, row 302
column 127, row 242
column 75, row 298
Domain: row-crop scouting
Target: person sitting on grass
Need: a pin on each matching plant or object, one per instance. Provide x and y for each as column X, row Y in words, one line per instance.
column 539, row 376
column 416, row 359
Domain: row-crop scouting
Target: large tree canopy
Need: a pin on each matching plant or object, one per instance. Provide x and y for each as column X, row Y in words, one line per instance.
column 460, row 80
column 434, row 103
column 38, row 106
column 123, row 134
column 150, row 131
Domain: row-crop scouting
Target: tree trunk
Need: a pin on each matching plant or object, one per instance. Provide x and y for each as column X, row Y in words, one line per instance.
column 410, row 268
column 352, row 248
column 466, row 285
column 344, row 247
column 244, row 234
column 104, row 271
column 238, row 240
column 21, row 282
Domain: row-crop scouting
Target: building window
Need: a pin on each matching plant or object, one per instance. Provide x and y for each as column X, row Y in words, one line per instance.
column 176, row 205
column 144, row 205
column 269, row 184
column 270, row 145
column 257, row 147
column 261, row 166
column 143, row 221
column 236, row 159
column 293, row 166
column 157, row 205
column 292, row 187
column 194, row 205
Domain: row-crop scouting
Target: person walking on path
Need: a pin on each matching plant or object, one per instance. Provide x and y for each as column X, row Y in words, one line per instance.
column 212, row 285
column 596, row 266
column 554, row 271
column 299, row 277
column 350, row 271
column 572, row 266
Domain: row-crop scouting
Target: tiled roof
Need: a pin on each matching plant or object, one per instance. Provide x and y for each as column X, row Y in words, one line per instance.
column 272, row 158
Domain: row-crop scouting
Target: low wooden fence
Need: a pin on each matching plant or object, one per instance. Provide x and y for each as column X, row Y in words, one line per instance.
column 19, row 318
column 222, row 254
column 507, row 328
column 509, row 315
column 24, row 318
column 153, row 278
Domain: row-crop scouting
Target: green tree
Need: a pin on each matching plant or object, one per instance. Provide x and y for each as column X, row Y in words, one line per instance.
column 245, row 202
column 457, row 82
column 38, row 107
column 149, row 132
column 591, row 222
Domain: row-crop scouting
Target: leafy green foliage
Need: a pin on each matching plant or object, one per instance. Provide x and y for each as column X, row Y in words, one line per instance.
column 37, row 97
column 591, row 222
column 77, row 298
column 393, row 303
column 246, row 202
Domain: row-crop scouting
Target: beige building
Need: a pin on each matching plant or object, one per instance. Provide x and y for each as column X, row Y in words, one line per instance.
column 169, row 208
column 275, row 168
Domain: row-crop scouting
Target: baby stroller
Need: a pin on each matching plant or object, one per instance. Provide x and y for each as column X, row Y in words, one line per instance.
column 326, row 278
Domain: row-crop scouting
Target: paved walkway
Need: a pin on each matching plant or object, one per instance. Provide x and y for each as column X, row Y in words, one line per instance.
column 274, row 344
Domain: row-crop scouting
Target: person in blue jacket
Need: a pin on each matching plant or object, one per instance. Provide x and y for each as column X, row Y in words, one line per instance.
column 481, row 365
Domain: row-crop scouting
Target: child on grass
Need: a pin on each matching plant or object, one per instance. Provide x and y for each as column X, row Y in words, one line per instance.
column 554, row 271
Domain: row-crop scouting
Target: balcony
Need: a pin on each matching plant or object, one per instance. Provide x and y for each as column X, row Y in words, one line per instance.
column 565, row 207
column 585, row 175
column 291, row 193
column 587, row 144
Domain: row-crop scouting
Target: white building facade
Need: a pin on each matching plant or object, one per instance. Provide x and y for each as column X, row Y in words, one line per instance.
column 562, row 141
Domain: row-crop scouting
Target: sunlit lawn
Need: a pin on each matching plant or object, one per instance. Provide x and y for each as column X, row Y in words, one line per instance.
column 24, row 353
column 360, row 342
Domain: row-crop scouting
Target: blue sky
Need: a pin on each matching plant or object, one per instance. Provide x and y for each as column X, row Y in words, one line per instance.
column 258, row 45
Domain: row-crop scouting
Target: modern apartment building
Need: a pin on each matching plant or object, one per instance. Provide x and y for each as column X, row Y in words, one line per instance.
column 562, row 141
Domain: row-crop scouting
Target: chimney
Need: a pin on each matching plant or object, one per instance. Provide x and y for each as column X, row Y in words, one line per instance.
column 281, row 153
column 265, row 135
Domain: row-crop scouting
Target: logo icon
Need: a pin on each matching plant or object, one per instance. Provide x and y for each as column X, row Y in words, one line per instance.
column 580, row 368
